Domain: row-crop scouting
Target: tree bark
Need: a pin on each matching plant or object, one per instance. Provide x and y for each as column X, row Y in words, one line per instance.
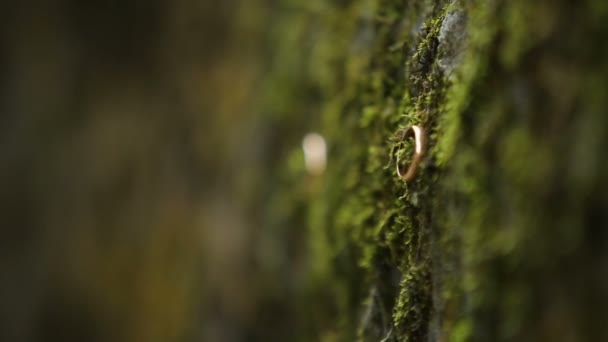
column 501, row 235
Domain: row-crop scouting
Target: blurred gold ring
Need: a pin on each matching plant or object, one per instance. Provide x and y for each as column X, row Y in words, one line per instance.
column 418, row 134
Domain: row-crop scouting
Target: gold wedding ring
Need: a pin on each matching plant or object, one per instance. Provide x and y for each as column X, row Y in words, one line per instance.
column 418, row 133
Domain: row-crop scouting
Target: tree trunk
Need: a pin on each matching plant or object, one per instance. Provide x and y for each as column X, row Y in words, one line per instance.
column 501, row 236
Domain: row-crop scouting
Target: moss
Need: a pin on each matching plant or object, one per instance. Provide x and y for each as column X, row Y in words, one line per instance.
column 464, row 250
column 363, row 213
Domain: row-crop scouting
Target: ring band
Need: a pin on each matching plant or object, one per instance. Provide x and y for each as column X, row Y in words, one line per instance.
column 418, row 133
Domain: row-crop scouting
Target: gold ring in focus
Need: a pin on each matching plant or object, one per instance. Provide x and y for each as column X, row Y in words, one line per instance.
column 418, row 133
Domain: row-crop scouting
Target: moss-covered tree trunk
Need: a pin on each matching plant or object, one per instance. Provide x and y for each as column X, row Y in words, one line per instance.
column 502, row 235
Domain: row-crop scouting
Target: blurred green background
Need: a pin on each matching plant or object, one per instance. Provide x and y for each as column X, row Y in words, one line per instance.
column 133, row 157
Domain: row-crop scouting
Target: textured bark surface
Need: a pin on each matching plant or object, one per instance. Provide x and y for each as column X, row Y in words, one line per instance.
column 502, row 235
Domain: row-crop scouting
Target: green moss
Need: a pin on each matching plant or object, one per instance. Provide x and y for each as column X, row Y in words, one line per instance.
column 451, row 253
